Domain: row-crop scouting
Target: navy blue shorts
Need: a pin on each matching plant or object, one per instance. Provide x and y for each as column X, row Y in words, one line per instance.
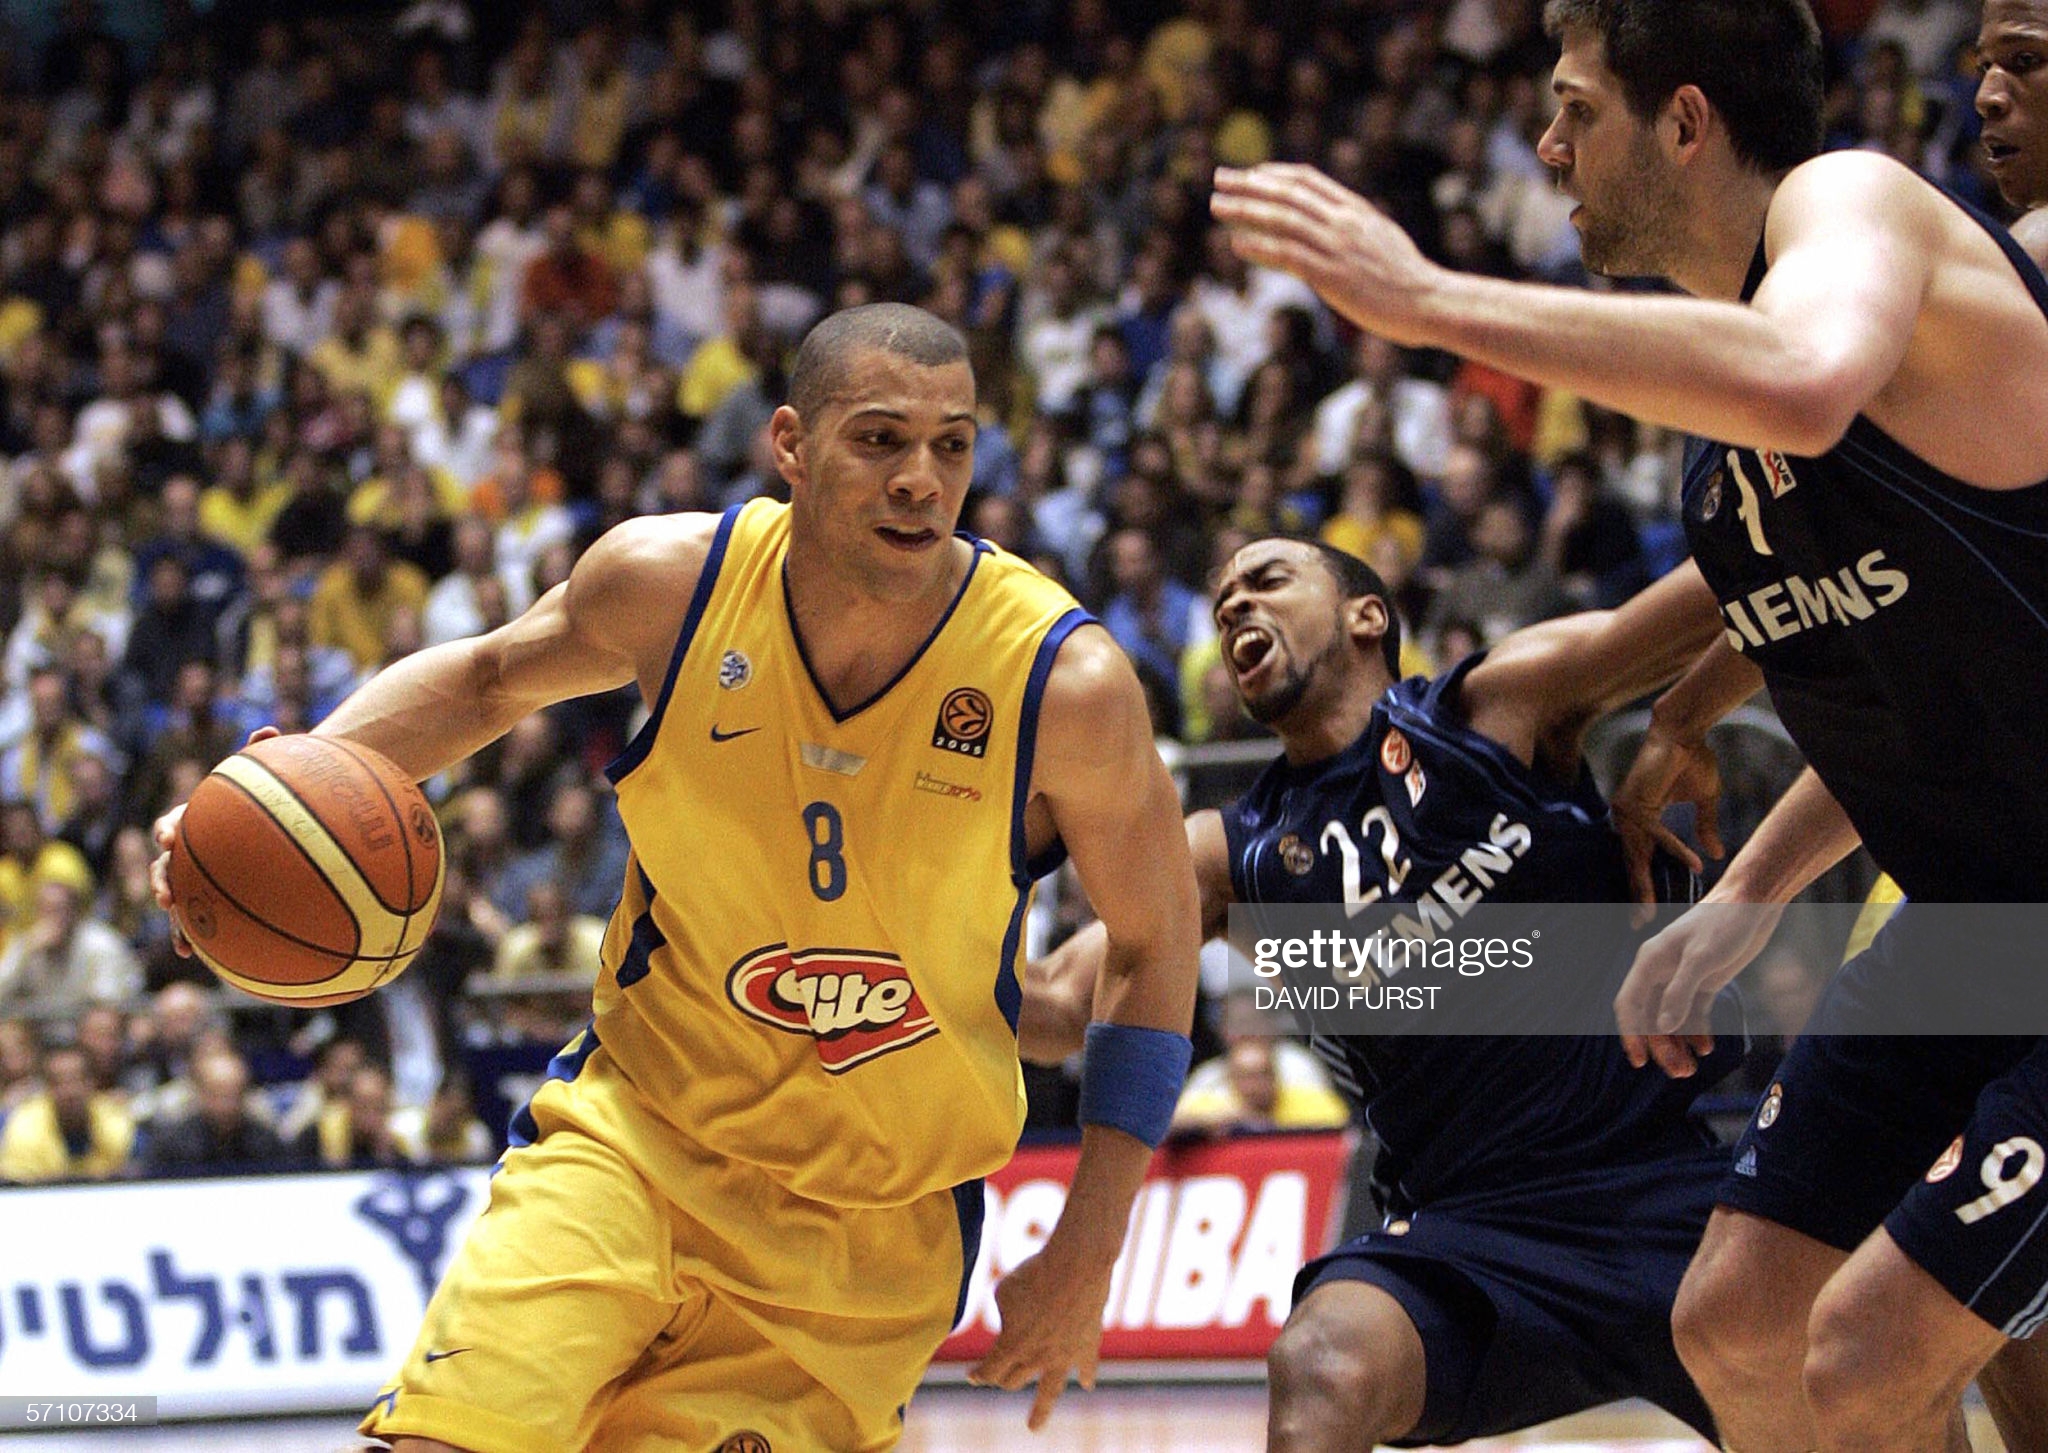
column 1939, row 1139
column 1544, row 1301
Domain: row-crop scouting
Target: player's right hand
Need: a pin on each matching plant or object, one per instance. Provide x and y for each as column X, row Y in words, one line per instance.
column 1665, row 1002
column 1667, row 769
column 166, row 833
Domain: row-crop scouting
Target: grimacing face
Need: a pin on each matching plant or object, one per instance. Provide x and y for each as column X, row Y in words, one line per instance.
column 1608, row 161
column 1278, row 612
column 878, row 478
column 2012, row 97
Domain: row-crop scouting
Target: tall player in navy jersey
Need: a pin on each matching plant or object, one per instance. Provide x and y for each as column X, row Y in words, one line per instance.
column 1542, row 1197
column 1872, row 360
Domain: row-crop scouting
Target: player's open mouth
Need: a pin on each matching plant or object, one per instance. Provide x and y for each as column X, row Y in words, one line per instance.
column 1250, row 649
column 1998, row 153
column 902, row 539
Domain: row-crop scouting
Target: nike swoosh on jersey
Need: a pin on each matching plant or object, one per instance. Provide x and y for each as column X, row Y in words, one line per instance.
column 451, row 1352
column 719, row 736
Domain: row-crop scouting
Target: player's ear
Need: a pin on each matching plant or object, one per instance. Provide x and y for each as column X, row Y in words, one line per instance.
column 1365, row 619
column 1687, row 113
column 786, row 438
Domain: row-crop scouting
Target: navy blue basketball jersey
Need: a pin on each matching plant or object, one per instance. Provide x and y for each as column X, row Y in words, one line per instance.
column 1422, row 806
column 1900, row 617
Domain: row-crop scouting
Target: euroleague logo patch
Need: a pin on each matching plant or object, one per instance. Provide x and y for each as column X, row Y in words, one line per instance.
column 856, row 1004
column 1945, row 1164
column 746, row 1442
column 965, row 717
column 1395, row 753
column 1295, row 855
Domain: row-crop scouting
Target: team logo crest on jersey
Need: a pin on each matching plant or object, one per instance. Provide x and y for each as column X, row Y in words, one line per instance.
column 746, row 1442
column 1395, row 753
column 1767, row 1113
column 734, row 670
column 855, row 1003
column 1777, row 473
column 1945, row 1164
column 1710, row 497
column 1295, row 855
column 965, row 717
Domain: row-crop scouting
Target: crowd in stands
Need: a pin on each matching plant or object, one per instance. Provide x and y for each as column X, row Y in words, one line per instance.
column 332, row 332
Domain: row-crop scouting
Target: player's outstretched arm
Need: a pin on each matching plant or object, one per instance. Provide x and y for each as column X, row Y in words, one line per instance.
column 1116, row 810
column 1060, row 989
column 1852, row 238
column 1538, row 691
column 593, row 632
column 1676, row 974
column 613, row 620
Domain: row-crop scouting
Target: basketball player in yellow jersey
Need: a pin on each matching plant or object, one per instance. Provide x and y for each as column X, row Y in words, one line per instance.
column 740, row 1214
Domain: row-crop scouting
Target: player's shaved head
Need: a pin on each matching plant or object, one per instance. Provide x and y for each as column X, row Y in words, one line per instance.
column 824, row 364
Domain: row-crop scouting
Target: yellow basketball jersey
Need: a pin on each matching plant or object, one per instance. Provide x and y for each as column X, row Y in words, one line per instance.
column 813, row 967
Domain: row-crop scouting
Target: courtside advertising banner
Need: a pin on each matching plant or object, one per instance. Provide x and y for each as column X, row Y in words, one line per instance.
column 225, row 1297
column 1216, row 1236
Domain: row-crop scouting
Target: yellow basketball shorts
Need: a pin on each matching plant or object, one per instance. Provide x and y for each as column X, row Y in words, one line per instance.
column 591, row 1308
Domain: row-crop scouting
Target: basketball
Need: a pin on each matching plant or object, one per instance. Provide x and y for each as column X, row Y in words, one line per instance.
column 307, row 871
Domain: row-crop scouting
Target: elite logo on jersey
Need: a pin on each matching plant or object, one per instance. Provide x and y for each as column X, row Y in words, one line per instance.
column 1710, row 497
column 734, row 670
column 1395, row 753
column 965, row 717
column 855, row 1003
column 1295, row 855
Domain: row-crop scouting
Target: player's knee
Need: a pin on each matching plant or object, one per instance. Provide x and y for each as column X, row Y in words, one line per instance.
column 1325, row 1375
column 1863, row 1381
column 1724, row 1331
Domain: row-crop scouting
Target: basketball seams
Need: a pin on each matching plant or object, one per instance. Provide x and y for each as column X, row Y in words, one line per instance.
column 376, row 777
column 404, row 832
column 325, row 950
column 327, row 855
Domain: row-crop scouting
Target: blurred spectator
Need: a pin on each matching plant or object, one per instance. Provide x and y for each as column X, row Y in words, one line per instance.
column 1507, row 585
column 213, row 570
column 334, row 1065
column 21, row 1064
column 585, row 854
column 554, row 941
column 354, row 1132
column 1589, row 539
column 127, row 903
column 1150, row 614
column 445, row 1131
column 68, row 1132
column 171, row 629
column 46, row 765
column 219, row 1135
column 1250, row 1097
column 29, row 857
column 357, row 597
column 58, row 960
column 102, row 1036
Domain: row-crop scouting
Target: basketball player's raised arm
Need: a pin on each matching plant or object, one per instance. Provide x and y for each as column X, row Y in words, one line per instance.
column 1538, row 691
column 1851, row 238
column 1059, row 989
column 613, row 621
column 1115, row 808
